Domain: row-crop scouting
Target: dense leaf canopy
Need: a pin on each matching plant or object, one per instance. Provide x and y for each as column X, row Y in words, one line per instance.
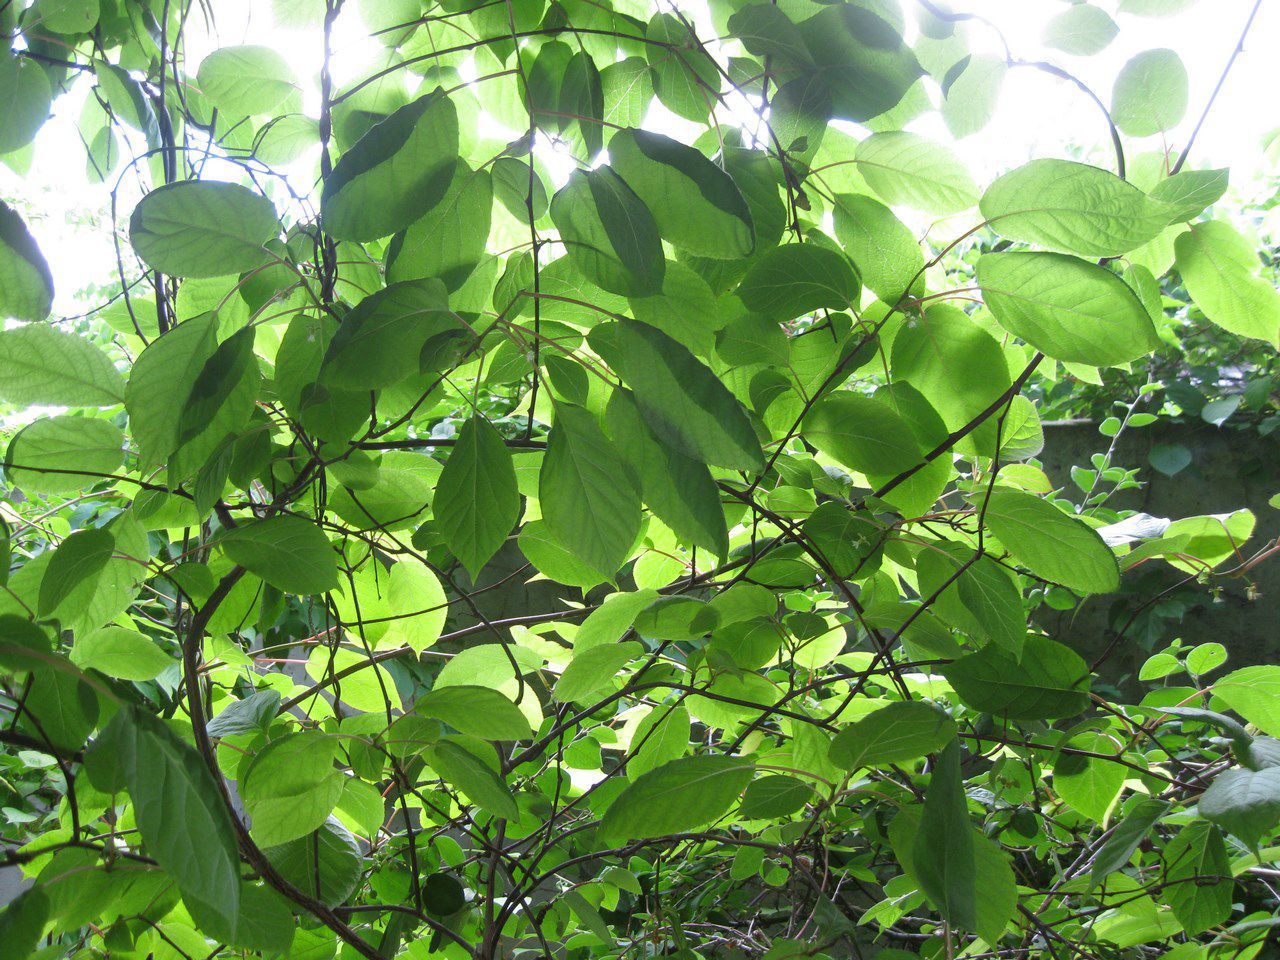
column 562, row 482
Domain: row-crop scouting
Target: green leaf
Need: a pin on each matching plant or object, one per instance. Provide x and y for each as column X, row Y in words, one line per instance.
column 1189, row 192
column 1150, row 94
column 161, row 380
column 907, row 169
column 998, row 893
column 859, row 59
column 685, row 405
column 417, row 602
column 395, row 173
column 589, row 500
column 392, row 334
column 1126, row 837
column 662, row 736
column 43, row 365
column 290, row 553
column 928, row 351
column 477, row 503
column 180, row 812
column 325, row 865
column 881, row 246
column 1050, row 682
column 78, row 560
column 695, row 204
column 775, row 796
column 291, row 786
column 942, row 855
column 1221, row 271
column 609, row 233
column 26, row 285
column 201, row 228
column 449, row 241
column 1051, row 544
column 895, row 733
column 1068, row 308
column 475, row 778
column 863, row 434
column 1082, row 30
column 1072, row 208
column 1090, row 784
column 23, row 921
column 685, row 77
column 25, row 98
column 678, row 489
column 1199, row 877
column 121, row 653
column 476, row 711
column 982, row 598
column 592, row 668
column 679, row 796
column 1254, row 693
column 1245, row 803
column 246, row 81
column 253, row 714
column 61, row 455
column 798, row 278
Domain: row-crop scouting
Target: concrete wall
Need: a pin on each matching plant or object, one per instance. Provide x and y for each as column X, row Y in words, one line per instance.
column 1229, row 470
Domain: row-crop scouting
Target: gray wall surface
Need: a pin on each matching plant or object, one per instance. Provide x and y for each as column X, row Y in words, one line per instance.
column 1230, row 469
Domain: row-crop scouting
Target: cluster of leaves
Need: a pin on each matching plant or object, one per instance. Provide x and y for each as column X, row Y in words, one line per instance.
column 441, row 558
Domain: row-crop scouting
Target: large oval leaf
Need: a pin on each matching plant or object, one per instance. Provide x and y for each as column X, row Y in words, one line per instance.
column 1072, row 208
column 395, row 173
column 200, row 228
column 1066, row 307
column 696, row 205
column 685, row 794
column 609, row 233
column 1051, row 544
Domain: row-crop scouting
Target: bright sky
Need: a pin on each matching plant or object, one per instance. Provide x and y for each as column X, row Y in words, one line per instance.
column 1038, row 115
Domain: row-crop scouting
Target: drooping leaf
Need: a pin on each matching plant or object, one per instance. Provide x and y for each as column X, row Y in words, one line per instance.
column 1220, row 269
column 589, row 500
column 26, row 285
column 609, row 233
column 1150, row 94
column 1199, row 875
column 477, row 503
column 79, row 559
column 943, row 852
column 477, row 780
column 685, row 405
